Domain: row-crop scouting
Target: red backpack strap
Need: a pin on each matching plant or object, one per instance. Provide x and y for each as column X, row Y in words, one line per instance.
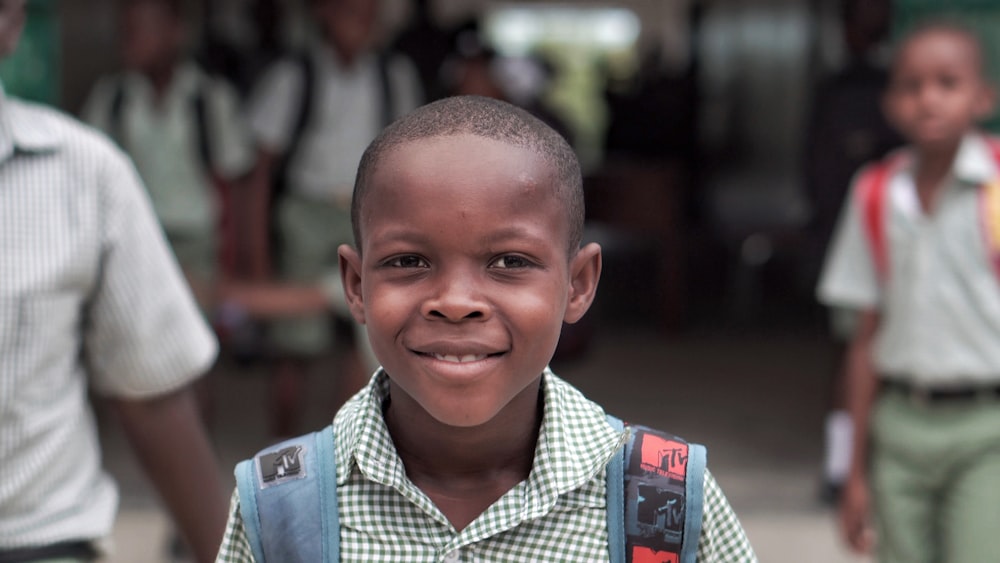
column 872, row 187
column 989, row 208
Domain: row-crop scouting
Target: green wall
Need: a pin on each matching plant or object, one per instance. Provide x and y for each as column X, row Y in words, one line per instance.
column 32, row 72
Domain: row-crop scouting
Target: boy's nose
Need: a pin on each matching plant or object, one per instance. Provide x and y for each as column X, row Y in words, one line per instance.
column 457, row 298
column 930, row 96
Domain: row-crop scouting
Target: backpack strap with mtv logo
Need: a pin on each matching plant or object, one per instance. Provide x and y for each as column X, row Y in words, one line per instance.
column 873, row 186
column 288, row 501
column 655, row 497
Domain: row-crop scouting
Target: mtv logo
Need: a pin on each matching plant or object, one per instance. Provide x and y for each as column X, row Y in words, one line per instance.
column 662, row 509
column 666, row 457
column 281, row 464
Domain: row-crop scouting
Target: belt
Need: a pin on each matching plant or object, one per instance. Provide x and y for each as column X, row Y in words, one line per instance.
column 926, row 395
column 67, row 550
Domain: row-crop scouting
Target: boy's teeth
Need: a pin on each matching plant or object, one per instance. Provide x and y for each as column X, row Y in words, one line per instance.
column 459, row 360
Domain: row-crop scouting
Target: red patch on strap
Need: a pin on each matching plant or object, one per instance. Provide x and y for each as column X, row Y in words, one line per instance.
column 647, row 555
column 665, row 457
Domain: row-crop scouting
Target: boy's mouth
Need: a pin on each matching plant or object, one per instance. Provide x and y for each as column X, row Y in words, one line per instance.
column 458, row 356
column 459, row 359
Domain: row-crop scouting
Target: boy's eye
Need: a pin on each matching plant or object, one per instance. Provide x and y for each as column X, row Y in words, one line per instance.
column 510, row 261
column 408, row 261
column 949, row 82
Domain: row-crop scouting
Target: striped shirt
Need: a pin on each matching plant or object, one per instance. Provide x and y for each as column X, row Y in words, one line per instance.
column 89, row 295
column 558, row 514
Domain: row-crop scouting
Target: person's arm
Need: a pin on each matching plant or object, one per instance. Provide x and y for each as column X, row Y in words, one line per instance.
column 171, row 444
column 144, row 340
column 861, row 384
column 255, row 215
column 271, row 113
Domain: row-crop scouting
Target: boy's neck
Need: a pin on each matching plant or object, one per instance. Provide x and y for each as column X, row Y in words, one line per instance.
column 934, row 164
column 465, row 470
column 346, row 57
column 160, row 76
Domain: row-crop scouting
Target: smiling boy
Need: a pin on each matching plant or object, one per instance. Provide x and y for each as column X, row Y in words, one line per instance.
column 468, row 219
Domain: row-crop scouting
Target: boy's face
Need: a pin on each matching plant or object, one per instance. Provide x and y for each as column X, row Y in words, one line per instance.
column 151, row 35
column 464, row 279
column 12, row 14
column 937, row 91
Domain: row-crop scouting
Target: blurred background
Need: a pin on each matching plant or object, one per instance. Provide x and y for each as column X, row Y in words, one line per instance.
column 717, row 138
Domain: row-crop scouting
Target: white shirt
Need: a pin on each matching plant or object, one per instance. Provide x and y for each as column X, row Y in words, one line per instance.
column 940, row 306
column 161, row 137
column 346, row 115
column 89, row 294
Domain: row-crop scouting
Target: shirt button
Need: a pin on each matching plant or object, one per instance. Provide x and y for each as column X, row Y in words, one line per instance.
column 451, row 557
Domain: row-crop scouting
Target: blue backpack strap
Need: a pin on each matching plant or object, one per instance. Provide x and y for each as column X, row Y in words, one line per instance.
column 616, row 500
column 660, row 488
column 288, row 500
column 695, row 494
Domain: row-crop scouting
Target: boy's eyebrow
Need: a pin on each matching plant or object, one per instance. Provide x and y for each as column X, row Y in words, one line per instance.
column 404, row 234
column 516, row 232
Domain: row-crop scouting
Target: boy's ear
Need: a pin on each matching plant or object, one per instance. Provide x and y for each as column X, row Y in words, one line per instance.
column 987, row 101
column 584, row 273
column 350, row 277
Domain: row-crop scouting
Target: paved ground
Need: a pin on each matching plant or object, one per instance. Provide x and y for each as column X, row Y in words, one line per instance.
column 756, row 398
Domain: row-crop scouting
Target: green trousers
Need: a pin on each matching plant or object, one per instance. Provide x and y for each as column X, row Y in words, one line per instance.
column 935, row 479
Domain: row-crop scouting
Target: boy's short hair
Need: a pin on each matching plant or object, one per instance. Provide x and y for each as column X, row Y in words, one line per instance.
column 482, row 117
column 946, row 25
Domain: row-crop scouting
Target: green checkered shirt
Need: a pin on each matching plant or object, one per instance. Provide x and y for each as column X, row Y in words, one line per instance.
column 558, row 514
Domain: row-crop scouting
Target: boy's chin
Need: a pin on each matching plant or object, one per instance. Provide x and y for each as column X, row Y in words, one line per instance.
column 937, row 140
column 465, row 418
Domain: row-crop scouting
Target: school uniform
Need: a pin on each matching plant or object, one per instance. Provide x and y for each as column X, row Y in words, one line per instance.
column 557, row 514
column 935, row 427
column 90, row 299
column 162, row 138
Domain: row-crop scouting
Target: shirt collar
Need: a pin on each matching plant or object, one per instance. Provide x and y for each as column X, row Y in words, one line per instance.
column 363, row 438
column 974, row 162
column 23, row 131
column 574, row 445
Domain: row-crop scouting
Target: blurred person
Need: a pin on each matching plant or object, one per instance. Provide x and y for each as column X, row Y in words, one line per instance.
column 846, row 129
column 90, row 296
column 467, row 261
column 240, row 39
column 183, row 129
column 916, row 251
column 427, row 44
column 312, row 117
column 474, row 68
